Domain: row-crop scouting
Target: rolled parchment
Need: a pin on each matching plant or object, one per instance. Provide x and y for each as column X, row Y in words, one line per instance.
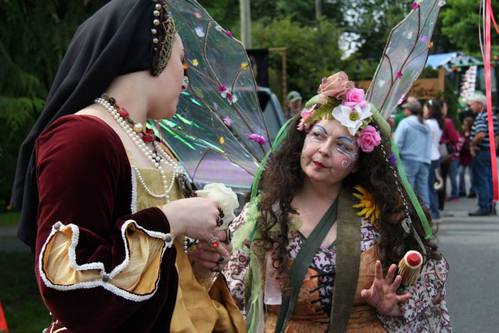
column 410, row 267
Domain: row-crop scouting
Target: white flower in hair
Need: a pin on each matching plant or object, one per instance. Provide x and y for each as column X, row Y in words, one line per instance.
column 353, row 110
column 352, row 117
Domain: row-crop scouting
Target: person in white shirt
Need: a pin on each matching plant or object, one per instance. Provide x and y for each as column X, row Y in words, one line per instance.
column 432, row 112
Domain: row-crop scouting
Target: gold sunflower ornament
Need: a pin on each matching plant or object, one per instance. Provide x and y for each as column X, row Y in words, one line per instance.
column 368, row 208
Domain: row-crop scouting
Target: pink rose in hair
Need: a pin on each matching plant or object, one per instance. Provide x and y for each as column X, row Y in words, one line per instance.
column 336, row 85
column 354, row 97
column 305, row 114
column 368, row 139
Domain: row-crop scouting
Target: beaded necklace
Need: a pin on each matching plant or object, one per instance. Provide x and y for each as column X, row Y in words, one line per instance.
column 146, row 141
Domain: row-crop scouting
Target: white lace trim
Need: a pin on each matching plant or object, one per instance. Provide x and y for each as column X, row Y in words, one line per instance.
column 133, row 205
column 105, row 278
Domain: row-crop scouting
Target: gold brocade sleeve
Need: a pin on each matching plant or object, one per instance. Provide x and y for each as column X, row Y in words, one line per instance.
column 135, row 278
column 199, row 311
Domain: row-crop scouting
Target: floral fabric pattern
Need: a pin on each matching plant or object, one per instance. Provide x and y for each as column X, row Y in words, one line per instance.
column 426, row 311
column 419, row 313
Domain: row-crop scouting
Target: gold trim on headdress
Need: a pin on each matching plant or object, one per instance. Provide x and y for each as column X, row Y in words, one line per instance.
column 163, row 33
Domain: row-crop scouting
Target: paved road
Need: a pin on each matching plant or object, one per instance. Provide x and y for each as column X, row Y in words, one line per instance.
column 9, row 241
column 471, row 245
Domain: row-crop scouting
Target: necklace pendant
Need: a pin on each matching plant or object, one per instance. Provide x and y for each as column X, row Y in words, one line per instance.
column 123, row 113
column 147, row 138
column 138, row 127
column 138, row 132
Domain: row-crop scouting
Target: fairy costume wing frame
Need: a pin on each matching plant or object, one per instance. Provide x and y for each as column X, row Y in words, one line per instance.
column 404, row 56
column 219, row 132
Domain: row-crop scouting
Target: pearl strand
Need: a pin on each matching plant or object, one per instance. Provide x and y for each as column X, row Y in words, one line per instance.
column 144, row 185
column 148, row 152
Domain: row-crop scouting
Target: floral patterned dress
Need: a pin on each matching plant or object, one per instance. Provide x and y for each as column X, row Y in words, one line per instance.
column 426, row 311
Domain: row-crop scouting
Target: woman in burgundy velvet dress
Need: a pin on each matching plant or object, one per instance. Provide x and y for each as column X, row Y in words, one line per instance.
column 101, row 198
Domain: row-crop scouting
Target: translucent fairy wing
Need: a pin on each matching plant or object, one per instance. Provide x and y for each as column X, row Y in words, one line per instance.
column 219, row 126
column 404, row 56
column 208, row 152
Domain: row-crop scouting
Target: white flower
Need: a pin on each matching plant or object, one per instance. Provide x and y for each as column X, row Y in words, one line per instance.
column 225, row 197
column 199, row 31
column 350, row 117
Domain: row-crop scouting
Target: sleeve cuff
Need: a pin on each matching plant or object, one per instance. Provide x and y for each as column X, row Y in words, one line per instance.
column 152, row 219
column 136, row 278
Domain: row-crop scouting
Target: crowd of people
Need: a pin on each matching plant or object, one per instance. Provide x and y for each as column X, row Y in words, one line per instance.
column 434, row 152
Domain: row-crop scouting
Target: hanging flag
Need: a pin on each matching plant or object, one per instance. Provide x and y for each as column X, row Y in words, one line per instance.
column 489, row 18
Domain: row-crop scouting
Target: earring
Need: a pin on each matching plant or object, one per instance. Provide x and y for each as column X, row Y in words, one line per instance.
column 186, row 83
column 186, row 77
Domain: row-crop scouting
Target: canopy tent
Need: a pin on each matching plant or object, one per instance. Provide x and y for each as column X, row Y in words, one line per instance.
column 451, row 59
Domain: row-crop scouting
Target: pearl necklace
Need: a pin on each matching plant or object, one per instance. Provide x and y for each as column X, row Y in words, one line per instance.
column 156, row 156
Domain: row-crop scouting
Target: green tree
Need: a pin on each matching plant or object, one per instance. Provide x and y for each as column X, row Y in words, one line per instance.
column 460, row 19
column 226, row 12
column 34, row 37
column 303, row 11
column 370, row 21
column 312, row 51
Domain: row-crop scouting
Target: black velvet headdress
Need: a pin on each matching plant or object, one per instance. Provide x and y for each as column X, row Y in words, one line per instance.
column 122, row 37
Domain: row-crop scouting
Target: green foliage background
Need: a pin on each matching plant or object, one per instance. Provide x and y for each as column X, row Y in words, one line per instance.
column 35, row 34
column 306, row 63
column 460, row 24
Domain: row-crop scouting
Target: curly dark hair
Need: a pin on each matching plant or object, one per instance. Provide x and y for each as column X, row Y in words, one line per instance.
column 374, row 173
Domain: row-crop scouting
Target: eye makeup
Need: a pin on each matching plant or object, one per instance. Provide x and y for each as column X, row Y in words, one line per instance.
column 318, row 133
column 346, row 139
column 344, row 145
column 347, row 147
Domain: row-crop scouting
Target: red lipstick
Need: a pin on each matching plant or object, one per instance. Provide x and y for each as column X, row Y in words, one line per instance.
column 318, row 165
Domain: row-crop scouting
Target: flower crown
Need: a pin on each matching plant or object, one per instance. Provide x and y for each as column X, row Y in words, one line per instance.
column 338, row 99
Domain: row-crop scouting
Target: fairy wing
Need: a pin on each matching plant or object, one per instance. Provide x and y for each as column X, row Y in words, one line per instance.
column 404, row 56
column 403, row 59
column 218, row 132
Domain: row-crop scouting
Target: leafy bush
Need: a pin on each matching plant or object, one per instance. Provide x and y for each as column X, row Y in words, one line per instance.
column 306, row 62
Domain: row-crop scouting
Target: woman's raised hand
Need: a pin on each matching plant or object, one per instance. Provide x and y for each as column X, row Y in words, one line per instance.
column 383, row 292
column 193, row 217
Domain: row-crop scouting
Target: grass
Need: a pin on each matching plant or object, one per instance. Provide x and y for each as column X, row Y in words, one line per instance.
column 9, row 218
column 24, row 309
